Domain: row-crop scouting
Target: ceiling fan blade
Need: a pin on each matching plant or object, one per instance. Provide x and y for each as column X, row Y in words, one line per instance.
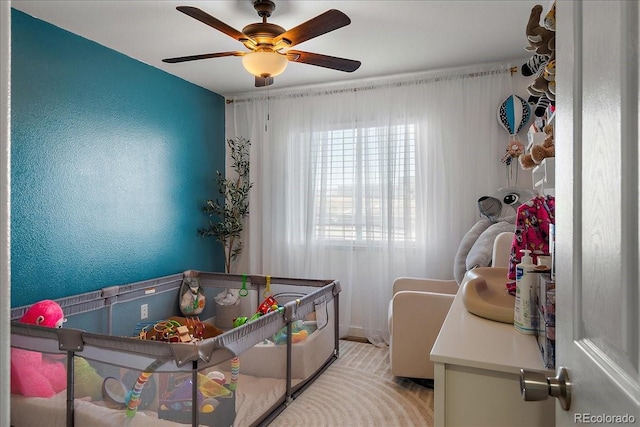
column 263, row 81
column 321, row 24
column 333, row 62
column 202, row 56
column 204, row 17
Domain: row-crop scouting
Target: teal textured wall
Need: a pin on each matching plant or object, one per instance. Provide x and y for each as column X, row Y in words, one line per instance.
column 112, row 161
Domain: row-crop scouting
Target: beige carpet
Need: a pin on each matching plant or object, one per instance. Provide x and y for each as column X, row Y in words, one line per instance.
column 358, row 390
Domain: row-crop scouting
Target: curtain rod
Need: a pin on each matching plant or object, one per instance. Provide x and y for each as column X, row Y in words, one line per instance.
column 511, row 70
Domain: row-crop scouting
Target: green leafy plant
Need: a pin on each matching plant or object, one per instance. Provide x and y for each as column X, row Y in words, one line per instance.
column 230, row 210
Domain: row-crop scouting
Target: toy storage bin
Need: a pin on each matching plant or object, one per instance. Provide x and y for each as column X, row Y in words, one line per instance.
column 225, row 314
column 111, row 351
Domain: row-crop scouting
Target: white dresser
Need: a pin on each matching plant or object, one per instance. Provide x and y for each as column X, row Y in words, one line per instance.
column 477, row 374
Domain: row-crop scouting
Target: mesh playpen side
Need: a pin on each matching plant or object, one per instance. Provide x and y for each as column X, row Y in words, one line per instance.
column 244, row 377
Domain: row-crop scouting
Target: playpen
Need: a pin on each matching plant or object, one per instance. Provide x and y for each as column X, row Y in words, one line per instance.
column 243, row 377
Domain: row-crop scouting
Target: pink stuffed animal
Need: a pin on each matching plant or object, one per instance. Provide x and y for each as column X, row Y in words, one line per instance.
column 36, row 374
column 44, row 313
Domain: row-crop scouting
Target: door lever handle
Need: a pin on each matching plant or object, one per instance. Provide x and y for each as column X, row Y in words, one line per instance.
column 537, row 386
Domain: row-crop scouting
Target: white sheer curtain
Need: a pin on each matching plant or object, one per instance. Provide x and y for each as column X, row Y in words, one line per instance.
column 368, row 182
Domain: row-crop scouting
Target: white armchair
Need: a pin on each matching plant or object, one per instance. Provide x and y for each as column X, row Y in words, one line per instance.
column 416, row 313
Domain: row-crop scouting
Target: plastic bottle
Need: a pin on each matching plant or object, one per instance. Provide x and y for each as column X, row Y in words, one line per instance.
column 525, row 282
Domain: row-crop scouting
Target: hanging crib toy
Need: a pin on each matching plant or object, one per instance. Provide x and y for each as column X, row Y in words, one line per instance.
column 513, row 115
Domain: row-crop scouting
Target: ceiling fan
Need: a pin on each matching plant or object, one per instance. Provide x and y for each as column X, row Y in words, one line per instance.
column 269, row 44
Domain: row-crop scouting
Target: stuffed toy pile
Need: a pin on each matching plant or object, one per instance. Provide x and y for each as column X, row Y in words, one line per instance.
column 35, row 374
column 542, row 64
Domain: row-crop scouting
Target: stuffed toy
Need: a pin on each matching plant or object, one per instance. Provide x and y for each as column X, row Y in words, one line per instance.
column 542, row 42
column 546, row 79
column 541, row 86
column 544, row 82
column 192, row 298
column 543, row 91
column 36, row 374
column 540, row 102
column 534, row 64
column 44, row 313
column 550, row 70
column 546, row 149
column 526, row 162
column 549, row 75
column 537, row 35
column 498, row 215
column 550, row 18
column 539, row 152
column 86, row 380
column 539, row 60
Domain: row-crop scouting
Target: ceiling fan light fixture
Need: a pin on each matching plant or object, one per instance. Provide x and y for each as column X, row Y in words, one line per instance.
column 264, row 64
column 268, row 44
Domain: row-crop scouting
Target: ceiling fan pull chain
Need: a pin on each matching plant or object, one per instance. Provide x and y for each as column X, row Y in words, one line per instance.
column 266, row 123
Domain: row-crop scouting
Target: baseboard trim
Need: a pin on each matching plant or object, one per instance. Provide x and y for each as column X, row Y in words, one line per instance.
column 355, row 339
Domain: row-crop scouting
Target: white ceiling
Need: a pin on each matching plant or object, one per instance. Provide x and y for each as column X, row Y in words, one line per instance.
column 388, row 37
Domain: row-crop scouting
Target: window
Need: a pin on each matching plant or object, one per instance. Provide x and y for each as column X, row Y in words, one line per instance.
column 364, row 184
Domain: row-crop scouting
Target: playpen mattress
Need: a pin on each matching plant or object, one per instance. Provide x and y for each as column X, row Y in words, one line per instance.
column 255, row 397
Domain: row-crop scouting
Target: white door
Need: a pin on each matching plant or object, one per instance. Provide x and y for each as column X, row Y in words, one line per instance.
column 597, row 190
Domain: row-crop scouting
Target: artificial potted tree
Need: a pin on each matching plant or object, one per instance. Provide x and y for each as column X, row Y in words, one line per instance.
column 227, row 215
column 231, row 209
